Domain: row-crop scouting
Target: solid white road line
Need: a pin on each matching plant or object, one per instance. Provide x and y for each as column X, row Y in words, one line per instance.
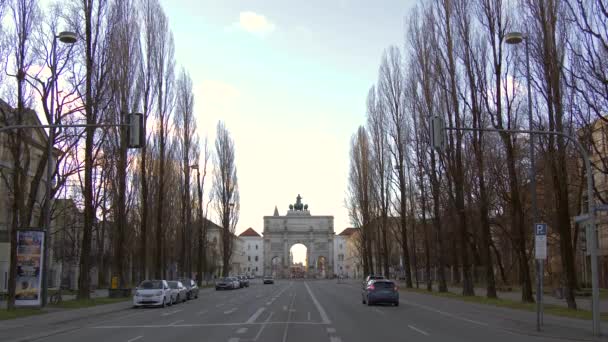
column 263, row 326
column 134, row 339
column 171, row 312
column 378, row 311
column 255, row 315
column 418, row 330
column 203, row 325
column 229, row 311
column 318, row 305
column 241, row 330
column 293, row 299
column 174, row 323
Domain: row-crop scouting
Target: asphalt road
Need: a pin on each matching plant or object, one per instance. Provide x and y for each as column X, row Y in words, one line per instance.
column 297, row 311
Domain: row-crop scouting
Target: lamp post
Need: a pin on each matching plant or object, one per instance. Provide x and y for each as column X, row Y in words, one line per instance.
column 65, row 37
column 201, row 256
column 514, row 38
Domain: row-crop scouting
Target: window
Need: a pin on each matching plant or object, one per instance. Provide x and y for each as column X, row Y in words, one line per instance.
column 256, row 246
column 249, row 258
column 248, row 269
column 340, row 246
column 248, row 246
column 256, row 268
column 256, row 258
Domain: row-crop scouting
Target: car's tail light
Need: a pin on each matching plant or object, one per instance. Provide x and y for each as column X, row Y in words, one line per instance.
column 396, row 288
column 371, row 287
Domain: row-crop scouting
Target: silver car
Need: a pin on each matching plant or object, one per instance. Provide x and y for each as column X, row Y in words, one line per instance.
column 152, row 293
column 180, row 291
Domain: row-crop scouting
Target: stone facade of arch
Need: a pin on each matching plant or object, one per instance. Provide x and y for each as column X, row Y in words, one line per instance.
column 298, row 226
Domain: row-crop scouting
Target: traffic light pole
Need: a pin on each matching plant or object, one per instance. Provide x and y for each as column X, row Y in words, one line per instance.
column 438, row 142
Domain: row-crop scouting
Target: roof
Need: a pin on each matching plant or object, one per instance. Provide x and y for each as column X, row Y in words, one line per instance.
column 250, row 232
column 348, row 231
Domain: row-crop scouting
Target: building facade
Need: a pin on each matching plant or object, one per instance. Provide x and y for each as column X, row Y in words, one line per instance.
column 253, row 245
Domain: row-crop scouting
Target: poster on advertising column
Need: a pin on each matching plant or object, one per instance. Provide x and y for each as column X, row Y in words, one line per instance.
column 30, row 247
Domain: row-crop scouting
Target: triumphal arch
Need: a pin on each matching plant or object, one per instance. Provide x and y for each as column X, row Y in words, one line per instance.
column 298, row 226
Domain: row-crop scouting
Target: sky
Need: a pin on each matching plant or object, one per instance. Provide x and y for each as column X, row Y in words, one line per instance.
column 290, row 80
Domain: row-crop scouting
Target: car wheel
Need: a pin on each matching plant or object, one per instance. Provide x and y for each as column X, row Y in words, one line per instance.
column 369, row 302
column 396, row 303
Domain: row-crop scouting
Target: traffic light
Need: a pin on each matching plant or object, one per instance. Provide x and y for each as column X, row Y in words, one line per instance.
column 438, row 133
column 136, row 135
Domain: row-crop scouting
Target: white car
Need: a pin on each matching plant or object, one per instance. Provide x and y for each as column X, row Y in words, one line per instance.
column 236, row 284
column 179, row 292
column 152, row 293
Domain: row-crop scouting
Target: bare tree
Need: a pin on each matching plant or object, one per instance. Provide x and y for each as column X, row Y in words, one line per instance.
column 90, row 15
column 185, row 125
column 164, row 69
column 473, row 58
column 225, row 192
column 548, row 37
column 125, row 95
column 149, row 8
column 422, row 95
column 392, row 94
column 360, row 194
column 24, row 14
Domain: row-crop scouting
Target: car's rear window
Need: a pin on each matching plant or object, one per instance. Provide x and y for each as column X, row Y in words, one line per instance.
column 151, row 284
column 384, row 284
column 173, row 284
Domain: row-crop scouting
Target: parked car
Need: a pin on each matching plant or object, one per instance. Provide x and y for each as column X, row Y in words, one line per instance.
column 268, row 280
column 237, row 282
column 380, row 291
column 190, row 286
column 244, row 281
column 226, row 283
column 250, row 276
column 152, row 293
column 180, row 289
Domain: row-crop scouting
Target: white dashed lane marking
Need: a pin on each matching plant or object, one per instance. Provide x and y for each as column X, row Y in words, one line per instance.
column 171, row 312
column 227, row 312
column 331, row 330
column 134, row 339
column 255, row 315
column 418, row 330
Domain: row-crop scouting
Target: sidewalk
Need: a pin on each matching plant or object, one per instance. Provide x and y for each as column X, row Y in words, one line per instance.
column 96, row 294
column 56, row 321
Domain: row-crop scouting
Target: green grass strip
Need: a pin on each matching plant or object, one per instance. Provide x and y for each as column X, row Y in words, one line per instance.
column 20, row 312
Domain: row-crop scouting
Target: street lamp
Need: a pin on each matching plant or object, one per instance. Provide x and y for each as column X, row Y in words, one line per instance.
column 201, row 258
column 65, row 37
column 515, row 38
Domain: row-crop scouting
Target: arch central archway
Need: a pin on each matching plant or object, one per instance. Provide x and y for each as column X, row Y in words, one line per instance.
column 298, row 261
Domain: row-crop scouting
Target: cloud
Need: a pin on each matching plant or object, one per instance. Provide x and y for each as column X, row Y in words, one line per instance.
column 255, row 23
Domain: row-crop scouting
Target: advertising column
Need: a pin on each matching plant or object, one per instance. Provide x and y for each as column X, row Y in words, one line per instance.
column 30, row 247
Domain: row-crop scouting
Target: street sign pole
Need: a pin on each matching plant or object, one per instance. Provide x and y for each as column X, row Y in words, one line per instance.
column 540, row 252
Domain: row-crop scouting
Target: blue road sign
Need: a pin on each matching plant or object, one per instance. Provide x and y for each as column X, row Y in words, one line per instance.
column 541, row 229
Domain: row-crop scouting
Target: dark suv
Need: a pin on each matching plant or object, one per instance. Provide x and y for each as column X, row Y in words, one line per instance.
column 191, row 287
